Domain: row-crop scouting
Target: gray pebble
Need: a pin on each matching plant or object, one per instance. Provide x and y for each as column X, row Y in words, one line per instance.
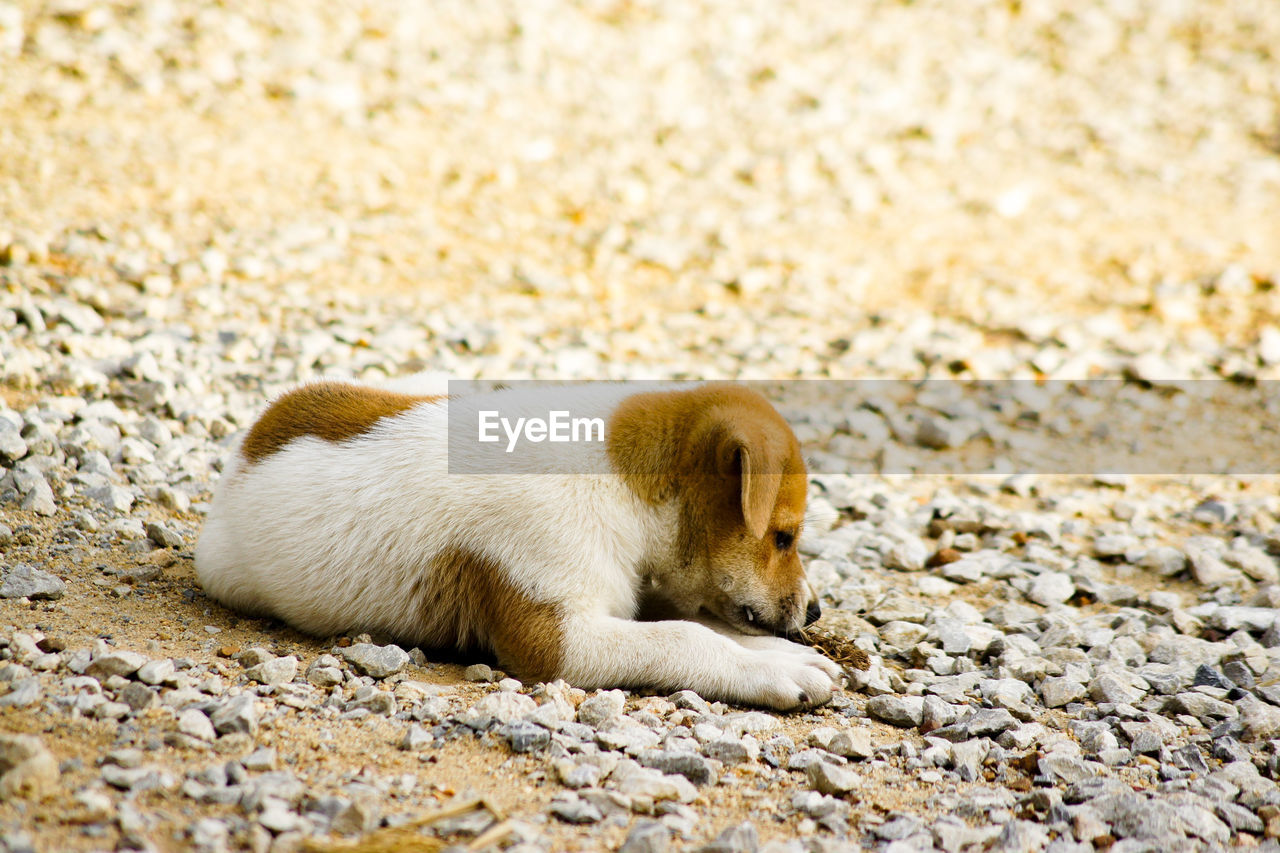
column 1113, row 688
column 967, row 757
column 40, row 499
column 524, row 736
column 26, row 581
column 238, row 714
column 138, row 697
column 156, row 671
column 261, row 759
column 1259, row 720
column 376, row 661
column 1049, row 588
column 12, row 447
column 254, row 656
column 121, row 662
column 578, row 774
column 502, row 707
column 371, row 700
column 571, row 808
column 647, row 836
column 937, row 714
column 1239, row 818
column 855, row 743
column 1020, row 835
column 828, row 778
column 416, row 738
column 163, row 535
column 603, row 706
column 1067, row 768
column 195, row 724
column 479, row 672
column 325, row 671
column 1058, row 691
column 691, row 766
column 688, row 700
column 1213, row 512
column 279, row 670
column 113, row 498
column 729, row 751
column 903, row 711
column 896, row 607
column 1163, row 560
column 135, row 779
column 899, row 828
column 908, row 555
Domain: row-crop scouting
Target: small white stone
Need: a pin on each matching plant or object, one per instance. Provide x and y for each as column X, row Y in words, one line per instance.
column 194, row 723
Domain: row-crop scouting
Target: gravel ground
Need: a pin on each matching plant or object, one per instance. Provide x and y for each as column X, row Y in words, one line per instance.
column 201, row 205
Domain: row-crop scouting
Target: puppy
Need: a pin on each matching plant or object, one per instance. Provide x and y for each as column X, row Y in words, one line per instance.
column 349, row 508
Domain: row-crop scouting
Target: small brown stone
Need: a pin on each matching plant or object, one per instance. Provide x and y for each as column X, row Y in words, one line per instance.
column 52, row 644
column 162, row 558
column 1028, row 763
column 943, row 556
column 228, row 651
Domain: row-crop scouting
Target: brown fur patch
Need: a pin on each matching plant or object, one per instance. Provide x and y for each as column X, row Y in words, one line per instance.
column 333, row 411
column 469, row 601
column 658, row 440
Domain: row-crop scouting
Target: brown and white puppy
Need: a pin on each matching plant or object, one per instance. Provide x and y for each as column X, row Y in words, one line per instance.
column 346, row 508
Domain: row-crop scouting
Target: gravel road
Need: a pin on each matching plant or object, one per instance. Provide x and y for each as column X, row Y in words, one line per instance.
column 202, row 205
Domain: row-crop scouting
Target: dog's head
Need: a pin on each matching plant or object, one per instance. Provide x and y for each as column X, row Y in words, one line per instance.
column 735, row 469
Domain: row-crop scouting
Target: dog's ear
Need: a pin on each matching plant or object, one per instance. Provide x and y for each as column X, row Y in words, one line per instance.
column 746, row 457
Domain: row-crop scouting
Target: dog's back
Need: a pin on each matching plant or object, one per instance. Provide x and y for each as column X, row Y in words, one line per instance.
column 331, row 518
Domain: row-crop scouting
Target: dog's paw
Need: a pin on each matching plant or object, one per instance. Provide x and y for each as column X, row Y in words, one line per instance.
column 782, row 646
column 787, row 679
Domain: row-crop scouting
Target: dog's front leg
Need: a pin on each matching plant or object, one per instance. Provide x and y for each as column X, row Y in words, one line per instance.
column 758, row 642
column 602, row 651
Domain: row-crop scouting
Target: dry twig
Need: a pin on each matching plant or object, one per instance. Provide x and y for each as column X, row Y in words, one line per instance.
column 406, row 838
column 835, row 646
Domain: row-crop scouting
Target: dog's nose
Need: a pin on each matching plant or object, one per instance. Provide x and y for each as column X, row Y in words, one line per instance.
column 812, row 613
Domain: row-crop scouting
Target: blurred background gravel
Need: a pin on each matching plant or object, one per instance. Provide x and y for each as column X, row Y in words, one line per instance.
column 992, row 162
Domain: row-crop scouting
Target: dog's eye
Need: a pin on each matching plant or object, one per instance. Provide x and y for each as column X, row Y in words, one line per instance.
column 783, row 540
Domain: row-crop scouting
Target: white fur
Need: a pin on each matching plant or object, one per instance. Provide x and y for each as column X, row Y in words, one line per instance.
column 332, row 536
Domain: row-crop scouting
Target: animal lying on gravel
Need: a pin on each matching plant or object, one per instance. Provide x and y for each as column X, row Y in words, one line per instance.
column 347, row 508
